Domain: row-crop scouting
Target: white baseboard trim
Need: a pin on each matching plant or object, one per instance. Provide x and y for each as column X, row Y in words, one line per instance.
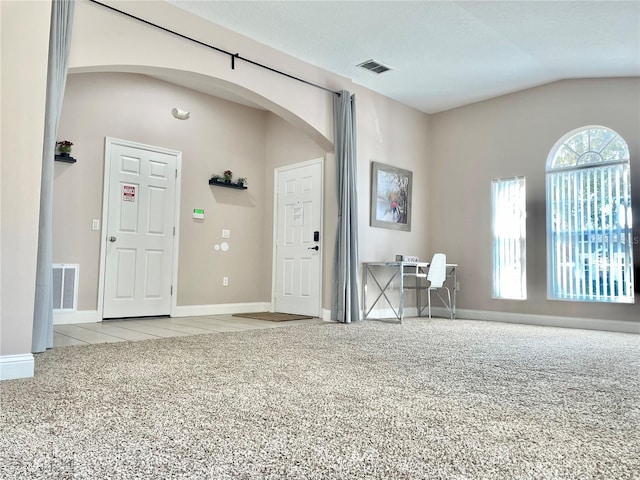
column 388, row 313
column 80, row 316
column 16, row 366
column 220, row 309
column 91, row 316
column 521, row 318
column 551, row 320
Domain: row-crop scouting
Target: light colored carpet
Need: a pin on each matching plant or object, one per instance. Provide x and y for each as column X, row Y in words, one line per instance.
column 273, row 316
column 425, row 399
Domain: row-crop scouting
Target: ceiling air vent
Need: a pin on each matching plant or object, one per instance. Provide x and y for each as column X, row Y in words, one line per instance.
column 374, row 66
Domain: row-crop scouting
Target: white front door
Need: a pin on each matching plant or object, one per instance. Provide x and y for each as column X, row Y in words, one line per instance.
column 139, row 230
column 297, row 265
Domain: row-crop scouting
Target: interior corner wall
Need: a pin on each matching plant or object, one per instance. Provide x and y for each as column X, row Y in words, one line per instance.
column 390, row 133
column 219, row 135
column 387, row 131
column 509, row 136
column 23, row 93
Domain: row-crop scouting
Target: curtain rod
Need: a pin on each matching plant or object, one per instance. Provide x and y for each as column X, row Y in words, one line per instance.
column 234, row 56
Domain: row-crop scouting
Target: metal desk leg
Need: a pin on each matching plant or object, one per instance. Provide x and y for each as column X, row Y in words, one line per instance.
column 400, row 310
column 383, row 294
column 455, row 291
column 365, row 275
column 418, row 299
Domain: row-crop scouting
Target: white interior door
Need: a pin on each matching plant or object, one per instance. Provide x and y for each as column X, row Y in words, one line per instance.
column 297, row 272
column 139, row 230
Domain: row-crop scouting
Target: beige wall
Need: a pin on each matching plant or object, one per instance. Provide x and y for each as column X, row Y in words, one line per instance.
column 387, row 131
column 22, row 95
column 512, row 135
column 142, row 48
column 453, row 155
column 393, row 134
column 219, row 135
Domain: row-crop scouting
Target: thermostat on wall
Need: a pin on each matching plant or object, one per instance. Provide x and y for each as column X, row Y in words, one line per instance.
column 198, row 213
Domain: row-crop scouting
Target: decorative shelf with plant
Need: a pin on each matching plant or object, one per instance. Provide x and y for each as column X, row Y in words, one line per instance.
column 63, row 152
column 226, row 180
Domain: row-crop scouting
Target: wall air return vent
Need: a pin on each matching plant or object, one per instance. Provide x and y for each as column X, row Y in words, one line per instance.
column 373, row 66
column 65, row 287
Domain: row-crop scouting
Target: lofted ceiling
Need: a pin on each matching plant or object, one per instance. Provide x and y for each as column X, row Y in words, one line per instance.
column 444, row 54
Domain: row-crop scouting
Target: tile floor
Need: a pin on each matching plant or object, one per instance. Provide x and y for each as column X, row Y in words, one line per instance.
column 135, row 329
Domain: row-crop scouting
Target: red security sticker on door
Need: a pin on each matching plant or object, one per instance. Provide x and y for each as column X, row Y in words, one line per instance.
column 128, row 193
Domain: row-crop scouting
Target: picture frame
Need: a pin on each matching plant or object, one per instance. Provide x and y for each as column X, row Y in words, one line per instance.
column 390, row 197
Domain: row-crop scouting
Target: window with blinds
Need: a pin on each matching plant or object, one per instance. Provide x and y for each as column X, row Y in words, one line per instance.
column 589, row 237
column 508, row 201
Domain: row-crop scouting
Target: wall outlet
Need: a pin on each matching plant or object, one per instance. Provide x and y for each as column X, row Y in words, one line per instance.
column 457, row 286
column 226, row 233
column 225, row 281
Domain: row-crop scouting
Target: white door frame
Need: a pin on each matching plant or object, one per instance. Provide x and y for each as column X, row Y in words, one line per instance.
column 276, row 172
column 108, row 143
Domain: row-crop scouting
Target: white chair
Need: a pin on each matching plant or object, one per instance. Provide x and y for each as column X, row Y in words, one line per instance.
column 436, row 277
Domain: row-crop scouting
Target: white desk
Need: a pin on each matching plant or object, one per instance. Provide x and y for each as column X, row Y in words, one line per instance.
column 400, row 271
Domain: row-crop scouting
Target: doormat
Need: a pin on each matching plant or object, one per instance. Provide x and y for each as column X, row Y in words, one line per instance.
column 273, row 316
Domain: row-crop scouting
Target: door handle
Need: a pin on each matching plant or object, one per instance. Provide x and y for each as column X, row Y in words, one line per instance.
column 112, row 239
column 316, row 248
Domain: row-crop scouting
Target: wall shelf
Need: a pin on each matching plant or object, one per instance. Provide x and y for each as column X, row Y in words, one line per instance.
column 218, row 183
column 66, row 159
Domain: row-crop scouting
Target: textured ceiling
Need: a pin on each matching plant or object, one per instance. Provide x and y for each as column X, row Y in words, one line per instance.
column 444, row 54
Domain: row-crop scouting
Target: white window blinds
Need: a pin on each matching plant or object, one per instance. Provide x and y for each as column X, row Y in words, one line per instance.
column 508, row 197
column 589, row 234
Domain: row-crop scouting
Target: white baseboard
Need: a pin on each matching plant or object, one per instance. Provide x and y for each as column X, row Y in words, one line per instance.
column 389, row 314
column 80, row 316
column 92, row 316
column 16, row 366
column 521, row 318
column 551, row 321
column 220, row 309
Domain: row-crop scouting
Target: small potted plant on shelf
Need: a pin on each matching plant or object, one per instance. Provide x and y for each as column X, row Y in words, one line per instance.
column 226, row 180
column 64, row 148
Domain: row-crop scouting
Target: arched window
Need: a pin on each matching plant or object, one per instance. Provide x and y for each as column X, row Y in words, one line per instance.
column 589, row 240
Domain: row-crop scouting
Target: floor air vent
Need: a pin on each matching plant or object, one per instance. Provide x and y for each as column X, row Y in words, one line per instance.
column 65, row 286
column 374, row 66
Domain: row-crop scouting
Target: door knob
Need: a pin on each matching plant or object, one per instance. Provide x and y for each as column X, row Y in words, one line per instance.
column 316, row 248
column 112, row 239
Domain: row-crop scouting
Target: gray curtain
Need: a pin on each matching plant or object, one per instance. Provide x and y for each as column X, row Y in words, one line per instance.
column 345, row 304
column 59, row 44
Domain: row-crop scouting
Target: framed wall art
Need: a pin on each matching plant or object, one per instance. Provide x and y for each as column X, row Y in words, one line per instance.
column 390, row 197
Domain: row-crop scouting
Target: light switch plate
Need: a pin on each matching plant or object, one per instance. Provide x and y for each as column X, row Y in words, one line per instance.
column 95, row 225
